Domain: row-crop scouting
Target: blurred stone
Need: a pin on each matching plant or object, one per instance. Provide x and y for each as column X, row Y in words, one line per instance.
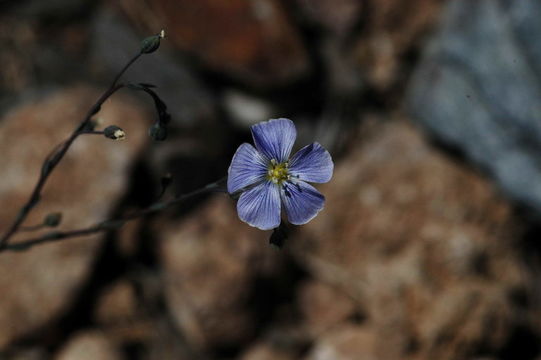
column 324, row 306
column 128, row 239
column 337, row 16
column 117, row 304
column 251, row 40
column 426, row 248
column 263, row 351
column 211, row 260
column 90, row 345
column 84, row 187
column 166, row 343
column 478, row 90
column 145, row 330
column 246, row 110
column 27, row 353
column 346, row 343
column 394, row 30
column 40, row 50
column 17, row 67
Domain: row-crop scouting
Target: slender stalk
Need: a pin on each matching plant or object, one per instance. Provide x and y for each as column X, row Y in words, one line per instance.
column 56, row 156
column 123, row 70
column 112, row 224
column 92, row 133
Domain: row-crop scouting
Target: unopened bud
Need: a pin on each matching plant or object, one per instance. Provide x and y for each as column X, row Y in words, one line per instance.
column 114, row 132
column 52, row 219
column 158, row 132
column 151, row 43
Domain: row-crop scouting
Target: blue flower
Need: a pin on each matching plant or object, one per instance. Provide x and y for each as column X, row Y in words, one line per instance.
column 269, row 180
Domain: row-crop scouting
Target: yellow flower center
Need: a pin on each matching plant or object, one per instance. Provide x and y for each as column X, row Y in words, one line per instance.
column 277, row 173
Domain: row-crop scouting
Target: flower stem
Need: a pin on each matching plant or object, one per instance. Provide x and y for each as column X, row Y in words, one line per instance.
column 58, row 153
column 112, row 224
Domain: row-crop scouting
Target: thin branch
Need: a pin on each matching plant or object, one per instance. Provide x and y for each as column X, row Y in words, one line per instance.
column 93, row 132
column 119, row 75
column 56, row 156
column 112, row 224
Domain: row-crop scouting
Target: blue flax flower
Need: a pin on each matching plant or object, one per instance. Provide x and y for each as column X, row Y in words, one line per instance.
column 269, row 180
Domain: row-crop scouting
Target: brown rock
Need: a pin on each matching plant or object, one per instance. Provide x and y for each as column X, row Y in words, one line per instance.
column 338, row 16
column 264, row 351
column 394, row 29
column 426, row 247
column 84, row 187
column 117, row 304
column 90, row 345
column 129, row 236
column 249, row 39
column 28, row 353
column 324, row 306
column 130, row 312
column 16, row 71
column 346, row 343
column 210, row 262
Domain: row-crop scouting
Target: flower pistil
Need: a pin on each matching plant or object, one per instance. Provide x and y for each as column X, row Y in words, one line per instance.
column 278, row 172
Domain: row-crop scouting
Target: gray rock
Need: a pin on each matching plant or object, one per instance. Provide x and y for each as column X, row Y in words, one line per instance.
column 478, row 89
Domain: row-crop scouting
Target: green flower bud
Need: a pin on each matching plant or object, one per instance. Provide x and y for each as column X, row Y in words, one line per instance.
column 158, row 132
column 151, row 43
column 52, row 219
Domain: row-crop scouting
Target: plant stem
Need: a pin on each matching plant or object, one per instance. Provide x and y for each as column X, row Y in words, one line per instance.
column 56, row 156
column 112, row 224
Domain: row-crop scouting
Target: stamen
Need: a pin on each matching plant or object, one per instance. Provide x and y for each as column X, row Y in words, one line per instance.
column 277, row 172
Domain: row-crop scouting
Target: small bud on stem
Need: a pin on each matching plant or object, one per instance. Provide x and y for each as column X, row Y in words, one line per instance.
column 52, row 219
column 114, row 132
column 158, row 131
column 151, row 43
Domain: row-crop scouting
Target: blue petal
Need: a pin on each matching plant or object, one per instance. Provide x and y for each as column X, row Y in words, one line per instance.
column 260, row 206
column 275, row 138
column 301, row 201
column 247, row 168
column 312, row 163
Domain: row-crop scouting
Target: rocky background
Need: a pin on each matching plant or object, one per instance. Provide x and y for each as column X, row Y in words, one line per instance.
column 428, row 247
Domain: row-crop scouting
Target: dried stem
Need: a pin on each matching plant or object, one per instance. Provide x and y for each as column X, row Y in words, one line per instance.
column 112, row 224
column 58, row 153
